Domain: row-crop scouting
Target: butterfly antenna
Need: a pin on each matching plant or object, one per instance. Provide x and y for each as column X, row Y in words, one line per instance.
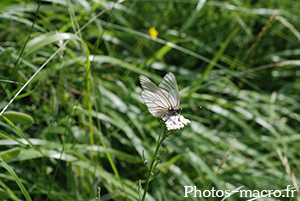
column 194, row 107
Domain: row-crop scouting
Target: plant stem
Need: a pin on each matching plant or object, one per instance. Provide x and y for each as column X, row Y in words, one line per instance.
column 161, row 138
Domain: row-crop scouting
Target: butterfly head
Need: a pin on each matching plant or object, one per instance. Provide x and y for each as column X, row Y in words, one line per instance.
column 174, row 112
column 170, row 112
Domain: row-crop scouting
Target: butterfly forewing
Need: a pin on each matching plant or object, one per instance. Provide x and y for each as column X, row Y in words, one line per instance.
column 163, row 99
column 154, row 98
column 169, row 84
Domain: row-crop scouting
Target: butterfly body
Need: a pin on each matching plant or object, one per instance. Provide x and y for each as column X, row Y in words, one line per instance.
column 172, row 112
column 162, row 100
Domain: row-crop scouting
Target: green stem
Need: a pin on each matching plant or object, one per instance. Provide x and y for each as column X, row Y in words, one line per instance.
column 160, row 140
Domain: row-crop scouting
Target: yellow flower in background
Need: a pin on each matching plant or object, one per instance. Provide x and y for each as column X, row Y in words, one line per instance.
column 153, row 32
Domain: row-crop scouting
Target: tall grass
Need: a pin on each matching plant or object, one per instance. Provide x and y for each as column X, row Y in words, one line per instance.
column 72, row 119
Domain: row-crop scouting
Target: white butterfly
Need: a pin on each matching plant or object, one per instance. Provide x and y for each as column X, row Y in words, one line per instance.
column 162, row 101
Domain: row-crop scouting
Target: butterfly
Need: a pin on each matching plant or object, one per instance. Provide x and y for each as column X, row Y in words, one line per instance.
column 162, row 100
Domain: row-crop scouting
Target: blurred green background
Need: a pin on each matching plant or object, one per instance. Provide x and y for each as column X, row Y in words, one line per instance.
column 72, row 118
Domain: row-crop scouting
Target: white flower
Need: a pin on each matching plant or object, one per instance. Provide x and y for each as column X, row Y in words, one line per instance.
column 176, row 122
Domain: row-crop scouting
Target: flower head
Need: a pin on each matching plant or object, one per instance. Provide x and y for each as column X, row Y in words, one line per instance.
column 176, row 122
column 153, row 32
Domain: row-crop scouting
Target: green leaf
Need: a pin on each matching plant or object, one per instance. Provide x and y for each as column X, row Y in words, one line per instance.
column 19, row 117
column 17, row 179
column 11, row 153
column 27, row 93
column 44, row 40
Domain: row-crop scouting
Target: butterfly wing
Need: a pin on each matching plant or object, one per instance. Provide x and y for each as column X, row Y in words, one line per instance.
column 170, row 88
column 154, row 97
